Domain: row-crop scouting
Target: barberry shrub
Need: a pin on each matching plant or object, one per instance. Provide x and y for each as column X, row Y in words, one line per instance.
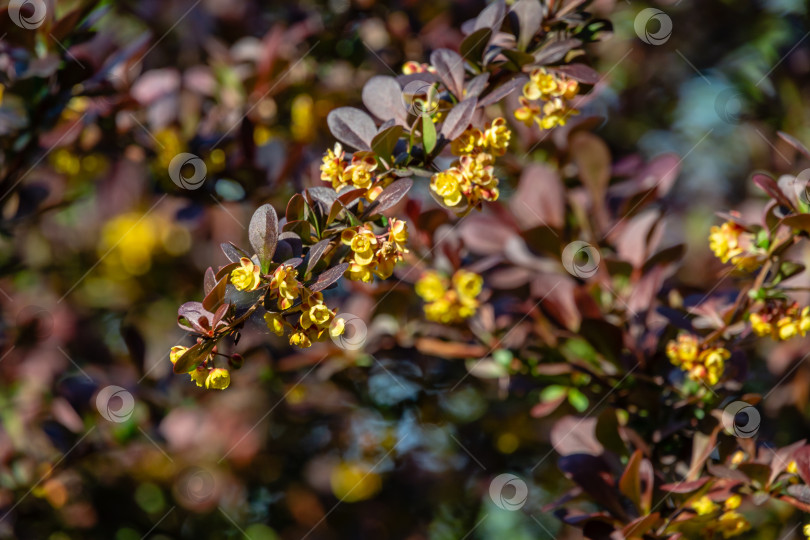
column 564, row 286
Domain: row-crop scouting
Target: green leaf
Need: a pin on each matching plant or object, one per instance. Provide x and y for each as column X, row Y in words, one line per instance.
column 577, row 399
column 194, row 356
column 553, row 392
column 428, row 134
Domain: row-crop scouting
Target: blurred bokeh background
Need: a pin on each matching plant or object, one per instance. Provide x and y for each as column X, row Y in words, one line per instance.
column 98, row 247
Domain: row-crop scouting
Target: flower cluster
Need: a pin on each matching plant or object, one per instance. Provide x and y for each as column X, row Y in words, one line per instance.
column 472, row 177
column 372, row 254
column 705, row 366
column 359, row 172
column 213, row 378
column 730, row 523
column 315, row 323
column 555, row 92
column 731, row 242
column 781, row 324
column 410, row 67
column 449, row 301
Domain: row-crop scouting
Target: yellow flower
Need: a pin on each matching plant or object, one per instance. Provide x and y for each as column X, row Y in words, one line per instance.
column 247, row 277
column 218, row 379
column 337, row 327
column 806, row 530
column 468, row 284
column 704, row 505
column 737, row 457
column 359, row 272
column 363, row 243
column 760, row 325
column 362, row 168
column 275, row 322
column 713, row 361
column 398, row 234
column 792, row 467
column 430, row 286
column 353, row 482
column 176, row 352
column 319, row 315
column 724, row 241
column 447, row 185
column 333, row 167
column 732, row 523
column 733, row 502
column 470, row 142
column 527, row 112
column 786, row 328
column 555, row 113
column 497, row 136
column 285, row 285
column 684, row 350
column 199, row 375
column 300, row 339
column 804, row 321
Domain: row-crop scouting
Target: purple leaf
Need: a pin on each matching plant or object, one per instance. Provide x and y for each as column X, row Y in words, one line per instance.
column 263, row 232
column 382, row 96
column 450, row 68
column 459, row 118
column 352, row 127
column 329, row 277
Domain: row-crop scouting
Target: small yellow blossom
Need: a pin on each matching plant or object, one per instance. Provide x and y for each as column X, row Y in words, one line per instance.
column 704, row 506
column 760, row 325
column 430, row 286
column 470, row 142
column 218, row 379
column 468, row 284
column 733, row 502
column 300, row 339
column 792, row 467
column 247, row 277
column 732, row 523
column 333, row 168
column 451, row 302
column 285, row 286
column 176, row 352
column 199, row 375
column 705, row 366
column 274, row 322
column 497, row 136
column 447, row 185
